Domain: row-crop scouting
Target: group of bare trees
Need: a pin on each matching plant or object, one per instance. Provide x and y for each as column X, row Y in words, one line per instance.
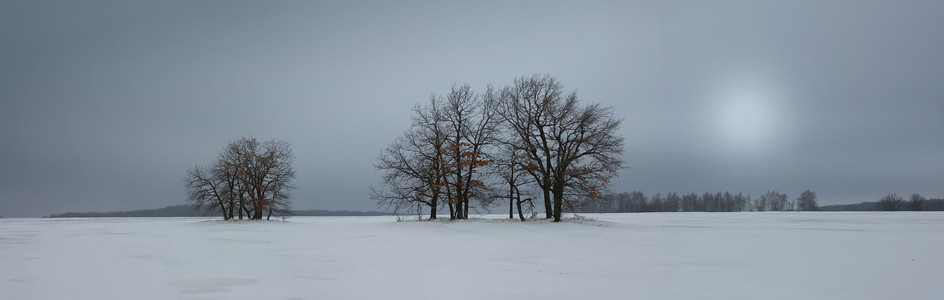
column 894, row 202
column 718, row 202
column 528, row 138
column 249, row 179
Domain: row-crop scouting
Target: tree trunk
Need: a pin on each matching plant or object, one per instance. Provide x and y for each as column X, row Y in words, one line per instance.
column 511, row 201
column 223, row 208
column 241, row 206
column 257, row 209
column 558, row 201
column 432, row 206
column 549, row 212
column 452, row 211
column 557, row 210
column 459, row 213
column 520, row 214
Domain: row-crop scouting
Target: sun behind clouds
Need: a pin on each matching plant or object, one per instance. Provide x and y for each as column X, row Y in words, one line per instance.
column 750, row 117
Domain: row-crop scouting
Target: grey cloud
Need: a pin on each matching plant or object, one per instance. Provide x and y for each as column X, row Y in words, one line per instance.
column 105, row 103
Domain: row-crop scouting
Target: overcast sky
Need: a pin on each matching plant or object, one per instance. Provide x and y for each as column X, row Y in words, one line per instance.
column 106, row 103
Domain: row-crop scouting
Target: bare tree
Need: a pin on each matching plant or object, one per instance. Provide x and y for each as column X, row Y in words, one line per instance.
column 741, row 201
column 778, row 201
column 508, row 168
column 526, row 109
column 917, row 202
column 274, row 178
column 708, row 202
column 689, row 202
column 219, row 183
column 772, row 201
column 672, row 202
column 807, row 201
column 442, row 156
column 205, row 191
column 889, row 202
column 414, row 164
column 248, row 178
column 570, row 148
column 266, row 174
column 759, row 204
column 472, row 123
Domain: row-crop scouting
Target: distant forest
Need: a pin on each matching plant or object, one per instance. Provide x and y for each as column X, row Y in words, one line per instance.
column 610, row 203
column 727, row 202
column 190, row 211
column 928, row 205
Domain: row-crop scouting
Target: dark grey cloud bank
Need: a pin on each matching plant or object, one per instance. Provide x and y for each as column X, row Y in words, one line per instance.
column 106, row 103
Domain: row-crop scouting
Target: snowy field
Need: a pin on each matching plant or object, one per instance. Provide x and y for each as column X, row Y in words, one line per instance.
column 615, row 256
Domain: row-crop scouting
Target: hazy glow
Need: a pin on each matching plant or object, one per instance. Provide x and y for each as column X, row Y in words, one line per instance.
column 748, row 117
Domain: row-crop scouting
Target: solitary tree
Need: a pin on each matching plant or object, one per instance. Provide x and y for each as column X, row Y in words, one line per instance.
column 807, row 201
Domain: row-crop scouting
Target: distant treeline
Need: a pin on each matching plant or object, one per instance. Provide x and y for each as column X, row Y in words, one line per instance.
column 170, row 211
column 708, row 202
column 727, row 202
column 190, row 211
column 890, row 205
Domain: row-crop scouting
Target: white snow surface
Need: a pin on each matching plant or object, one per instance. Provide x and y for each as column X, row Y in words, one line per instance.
column 793, row 255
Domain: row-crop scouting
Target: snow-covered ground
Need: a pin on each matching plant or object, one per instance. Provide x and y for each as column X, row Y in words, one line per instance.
column 616, row 256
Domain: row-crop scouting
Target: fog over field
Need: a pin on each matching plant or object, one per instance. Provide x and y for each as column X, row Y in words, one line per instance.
column 788, row 255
